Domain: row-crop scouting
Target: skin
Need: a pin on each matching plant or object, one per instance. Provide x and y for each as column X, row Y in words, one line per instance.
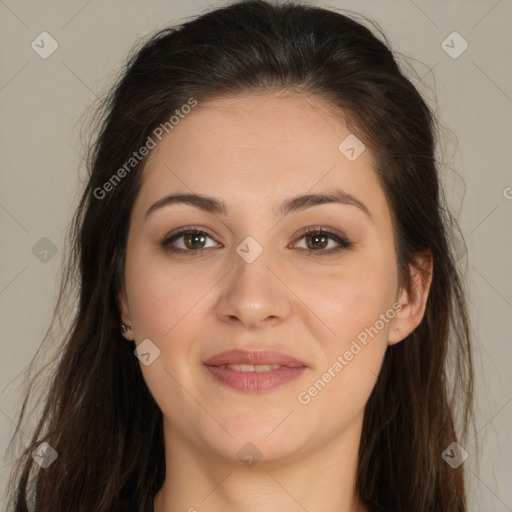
column 253, row 152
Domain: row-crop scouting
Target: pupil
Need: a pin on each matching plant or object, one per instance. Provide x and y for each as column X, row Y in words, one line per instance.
column 194, row 236
column 317, row 237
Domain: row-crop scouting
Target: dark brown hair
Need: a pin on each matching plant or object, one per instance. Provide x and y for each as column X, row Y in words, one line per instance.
column 98, row 413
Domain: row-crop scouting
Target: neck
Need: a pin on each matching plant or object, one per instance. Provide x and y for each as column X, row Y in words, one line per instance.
column 323, row 479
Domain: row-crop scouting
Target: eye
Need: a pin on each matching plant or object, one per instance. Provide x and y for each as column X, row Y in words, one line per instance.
column 193, row 240
column 318, row 237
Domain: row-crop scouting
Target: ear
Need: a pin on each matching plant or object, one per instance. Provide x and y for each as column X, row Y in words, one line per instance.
column 125, row 314
column 413, row 301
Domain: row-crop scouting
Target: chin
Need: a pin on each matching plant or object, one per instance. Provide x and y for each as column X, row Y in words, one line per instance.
column 260, row 441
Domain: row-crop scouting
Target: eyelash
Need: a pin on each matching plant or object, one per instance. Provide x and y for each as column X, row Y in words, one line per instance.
column 315, row 230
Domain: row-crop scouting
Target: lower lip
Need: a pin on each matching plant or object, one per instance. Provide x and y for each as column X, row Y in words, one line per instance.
column 255, row 381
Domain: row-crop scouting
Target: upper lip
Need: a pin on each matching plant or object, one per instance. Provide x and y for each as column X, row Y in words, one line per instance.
column 253, row 357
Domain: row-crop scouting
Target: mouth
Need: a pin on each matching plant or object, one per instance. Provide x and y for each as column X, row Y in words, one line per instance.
column 254, row 371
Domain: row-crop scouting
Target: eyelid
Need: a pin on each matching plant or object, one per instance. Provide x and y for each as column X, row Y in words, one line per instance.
column 319, row 228
column 338, row 237
column 182, row 231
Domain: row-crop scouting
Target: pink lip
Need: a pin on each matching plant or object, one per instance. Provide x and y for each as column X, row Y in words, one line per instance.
column 254, row 381
column 253, row 357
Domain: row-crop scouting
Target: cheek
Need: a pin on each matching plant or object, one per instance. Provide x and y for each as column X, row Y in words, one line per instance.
column 348, row 298
column 169, row 305
column 160, row 293
column 352, row 356
column 354, row 305
column 334, row 397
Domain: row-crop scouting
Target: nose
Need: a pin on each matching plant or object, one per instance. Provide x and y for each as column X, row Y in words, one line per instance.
column 254, row 294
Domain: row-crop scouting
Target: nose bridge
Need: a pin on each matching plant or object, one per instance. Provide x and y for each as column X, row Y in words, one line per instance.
column 252, row 262
column 252, row 292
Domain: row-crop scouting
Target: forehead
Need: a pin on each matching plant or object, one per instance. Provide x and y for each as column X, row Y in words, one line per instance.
column 258, row 148
column 281, row 123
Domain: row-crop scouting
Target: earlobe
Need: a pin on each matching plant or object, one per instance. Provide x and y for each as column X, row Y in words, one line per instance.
column 413, row 301
column 127, row 332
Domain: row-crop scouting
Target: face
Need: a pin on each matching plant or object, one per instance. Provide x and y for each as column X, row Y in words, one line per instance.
column 316, row 281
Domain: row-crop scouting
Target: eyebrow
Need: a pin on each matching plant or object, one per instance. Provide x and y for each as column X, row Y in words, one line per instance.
column 215, row 206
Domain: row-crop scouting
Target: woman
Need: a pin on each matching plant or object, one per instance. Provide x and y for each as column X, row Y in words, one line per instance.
column 269, row 310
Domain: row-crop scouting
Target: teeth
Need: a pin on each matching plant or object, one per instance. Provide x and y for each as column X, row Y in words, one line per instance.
column 252, row 367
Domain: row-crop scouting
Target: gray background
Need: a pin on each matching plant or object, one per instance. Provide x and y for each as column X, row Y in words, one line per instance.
column 42, row 101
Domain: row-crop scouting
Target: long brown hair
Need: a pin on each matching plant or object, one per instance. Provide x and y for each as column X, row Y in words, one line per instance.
column 98, row 414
